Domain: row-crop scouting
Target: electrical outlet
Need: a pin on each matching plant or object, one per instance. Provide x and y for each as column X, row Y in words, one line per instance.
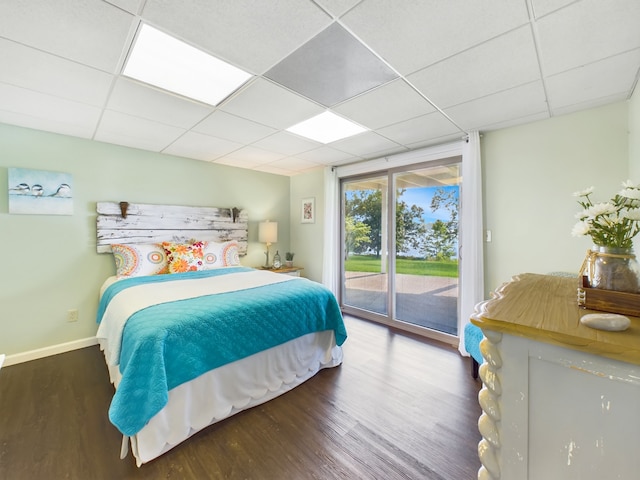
column 72, row 315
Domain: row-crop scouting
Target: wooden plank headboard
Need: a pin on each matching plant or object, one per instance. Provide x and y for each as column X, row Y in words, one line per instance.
column 130, row 223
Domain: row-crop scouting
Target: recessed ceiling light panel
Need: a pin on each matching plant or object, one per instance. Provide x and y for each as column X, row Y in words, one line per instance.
column 166, row 62
column 326, row 128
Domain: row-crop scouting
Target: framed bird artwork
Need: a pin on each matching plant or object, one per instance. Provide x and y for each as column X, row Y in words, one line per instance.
column 40, row 192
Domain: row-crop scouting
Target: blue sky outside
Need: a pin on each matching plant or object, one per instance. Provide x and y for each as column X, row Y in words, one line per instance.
column 422, row 197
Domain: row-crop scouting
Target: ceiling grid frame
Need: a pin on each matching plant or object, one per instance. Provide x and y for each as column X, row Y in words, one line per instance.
column 576, row 27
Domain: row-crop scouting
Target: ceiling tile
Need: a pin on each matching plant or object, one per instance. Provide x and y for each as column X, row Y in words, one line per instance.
column 136, row 132
column 612, row 76
column 327, row 156
column 386, row 152
column 53, row 110
column 238, row 162
column 345, row 161
column 131, row 6
column 386, row 105
column 466, row 76
column 588, row 31
column 331, row 67
column 422, row 33
column 544, row 7
column 252, row 35
column 224, row 125
column 46, row 73
column 337, row 8
column 432, row 125
column 516, row 121
column 286, row 143
column 91, row 32
column 270, row 168
column 587, row 104
column 201, row 147
column 144, row 101
column 266, row 103
column 255, row 154
column 365, row 144
column 294, row 164
column 454, row 137
column 504, row 106
column 83, row 130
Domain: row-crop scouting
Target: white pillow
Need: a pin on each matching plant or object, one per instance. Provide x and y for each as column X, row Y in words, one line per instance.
column 216, row 255
column 138, row 260
column 230, row 254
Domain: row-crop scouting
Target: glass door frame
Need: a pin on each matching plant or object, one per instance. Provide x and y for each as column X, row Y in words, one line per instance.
column 391, row 195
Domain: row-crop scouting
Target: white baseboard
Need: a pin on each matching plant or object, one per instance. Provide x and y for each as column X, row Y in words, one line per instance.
column 48, row 351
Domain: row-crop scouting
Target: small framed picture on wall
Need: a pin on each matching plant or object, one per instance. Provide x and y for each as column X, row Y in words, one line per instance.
column 308, row 210
column 40, row 192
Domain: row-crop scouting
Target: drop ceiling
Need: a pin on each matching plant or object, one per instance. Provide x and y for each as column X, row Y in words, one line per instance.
column 413, row 73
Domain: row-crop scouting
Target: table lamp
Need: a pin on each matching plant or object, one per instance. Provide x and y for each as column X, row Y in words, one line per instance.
column 268, row 233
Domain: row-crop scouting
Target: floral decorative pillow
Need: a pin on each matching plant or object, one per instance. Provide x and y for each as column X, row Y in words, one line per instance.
column 184, row 257
column 139, row 260
column 218, row 255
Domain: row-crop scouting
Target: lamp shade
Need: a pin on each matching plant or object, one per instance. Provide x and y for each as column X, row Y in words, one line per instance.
column 268, row 232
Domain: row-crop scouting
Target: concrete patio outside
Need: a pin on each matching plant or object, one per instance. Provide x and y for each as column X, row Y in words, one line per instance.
column 428, row 301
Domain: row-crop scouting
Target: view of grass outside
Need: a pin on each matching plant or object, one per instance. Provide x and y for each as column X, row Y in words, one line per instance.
column 410, row 266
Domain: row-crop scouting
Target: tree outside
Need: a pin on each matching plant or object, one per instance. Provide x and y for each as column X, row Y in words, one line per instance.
column 424, row 245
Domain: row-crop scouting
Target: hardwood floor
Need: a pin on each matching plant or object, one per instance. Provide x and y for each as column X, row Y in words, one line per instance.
column 399, row 407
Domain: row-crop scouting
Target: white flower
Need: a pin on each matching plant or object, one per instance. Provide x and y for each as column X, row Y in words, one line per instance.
column 632, row 214
column 583, row 193
column 632, row 193
column 580, row 229
column 617, row 220
column 611, row 224
column 605, row 208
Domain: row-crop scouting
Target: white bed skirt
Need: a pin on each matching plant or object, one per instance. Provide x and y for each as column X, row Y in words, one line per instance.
column 232, row 388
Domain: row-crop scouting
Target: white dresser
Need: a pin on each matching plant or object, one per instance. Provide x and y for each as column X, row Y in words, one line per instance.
column 560, row 401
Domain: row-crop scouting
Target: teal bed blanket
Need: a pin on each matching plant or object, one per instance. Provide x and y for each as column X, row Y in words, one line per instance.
column 170, row 343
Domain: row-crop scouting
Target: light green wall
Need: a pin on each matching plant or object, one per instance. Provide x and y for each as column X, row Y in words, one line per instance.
column 634, row 145
column 530, row 173
column 634, row 136
column 307, row 238
column 50, row 264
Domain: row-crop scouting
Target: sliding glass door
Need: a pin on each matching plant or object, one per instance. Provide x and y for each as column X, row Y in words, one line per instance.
column 365, row 233
column 400, row 257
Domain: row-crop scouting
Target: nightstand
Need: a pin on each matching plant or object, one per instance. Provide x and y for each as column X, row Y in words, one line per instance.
column 293, row 271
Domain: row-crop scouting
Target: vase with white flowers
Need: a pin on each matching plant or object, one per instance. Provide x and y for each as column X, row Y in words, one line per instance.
column 611, row 264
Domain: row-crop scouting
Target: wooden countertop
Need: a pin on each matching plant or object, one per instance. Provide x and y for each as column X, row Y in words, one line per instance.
column 545, row 308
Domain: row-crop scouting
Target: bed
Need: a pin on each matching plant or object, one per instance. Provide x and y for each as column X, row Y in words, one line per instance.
column 189, row 348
